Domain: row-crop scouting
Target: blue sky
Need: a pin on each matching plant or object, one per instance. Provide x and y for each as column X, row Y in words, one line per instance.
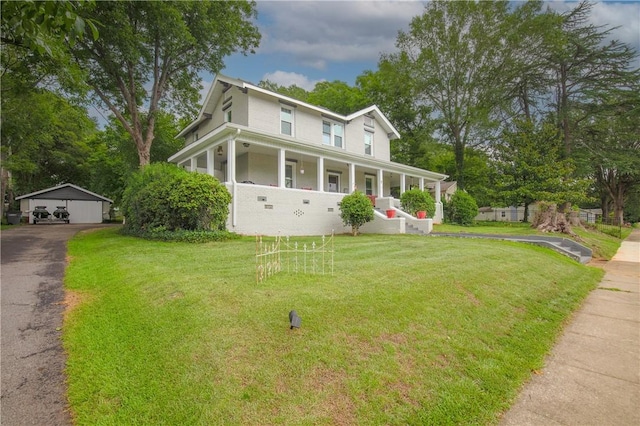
column 304, row 42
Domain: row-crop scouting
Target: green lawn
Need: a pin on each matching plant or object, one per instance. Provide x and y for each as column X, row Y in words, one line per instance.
column 408, row 330
column 603, row 246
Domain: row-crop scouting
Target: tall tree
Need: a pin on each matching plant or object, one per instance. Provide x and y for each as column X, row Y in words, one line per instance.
column 611, row 145
column 151, row 56
column 586, row 70
column 292, row 91
column 338, row 96
column 453, row 53
column 530, row 168
column 391, row 88
column 114, row 158
column 46, row 143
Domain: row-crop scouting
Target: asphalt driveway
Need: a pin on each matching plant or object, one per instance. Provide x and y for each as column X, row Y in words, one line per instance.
column 32, row 361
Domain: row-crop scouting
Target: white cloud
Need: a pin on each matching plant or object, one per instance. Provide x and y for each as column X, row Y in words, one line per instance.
column 284, row 78
column 318, row 32
column 626, row 16
column 608, row 14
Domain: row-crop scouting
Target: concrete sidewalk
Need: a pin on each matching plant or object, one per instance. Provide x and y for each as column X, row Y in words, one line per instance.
column 592, row 376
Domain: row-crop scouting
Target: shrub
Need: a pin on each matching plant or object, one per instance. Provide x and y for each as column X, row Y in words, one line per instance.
column 415, row 200
column 165, row 197
column 462, row 209
column 356, row 210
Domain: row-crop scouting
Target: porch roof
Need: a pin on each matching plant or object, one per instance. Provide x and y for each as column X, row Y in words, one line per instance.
column 244, row 134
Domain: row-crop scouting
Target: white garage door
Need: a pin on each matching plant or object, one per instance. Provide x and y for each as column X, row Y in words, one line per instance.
column 85, row 211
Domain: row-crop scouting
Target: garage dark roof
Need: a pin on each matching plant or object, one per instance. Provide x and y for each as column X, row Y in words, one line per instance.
column 67, row 191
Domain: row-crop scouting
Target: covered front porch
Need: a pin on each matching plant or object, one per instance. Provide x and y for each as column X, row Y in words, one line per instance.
column 295, row 179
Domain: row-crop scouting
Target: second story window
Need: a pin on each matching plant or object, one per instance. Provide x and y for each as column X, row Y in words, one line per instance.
column 368, row 143
column 286, row 121
column 227, row 116
column 332, row 134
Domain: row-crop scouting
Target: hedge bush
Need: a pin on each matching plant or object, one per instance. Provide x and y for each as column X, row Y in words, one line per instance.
column 356, row 210
column 415, row 200
column 462, row 209
column 164, row 197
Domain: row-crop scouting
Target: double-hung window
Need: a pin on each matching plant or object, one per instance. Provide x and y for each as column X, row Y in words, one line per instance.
column 332, row 133
column 368, row 143
column 286, row 121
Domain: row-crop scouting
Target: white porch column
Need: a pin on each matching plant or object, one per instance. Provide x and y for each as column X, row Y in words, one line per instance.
column 193, row 164
column 320, row 174
column 210, row 162
column 352, row 177
column 231, row 160
column 380, row 183
column 421, row 184
column 282, row 161
column 403, row 183
column 439, row 208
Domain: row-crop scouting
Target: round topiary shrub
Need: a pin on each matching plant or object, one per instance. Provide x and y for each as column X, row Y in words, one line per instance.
column 164, row 197
column 415, row 200
column 462, row 209
column 356, row 210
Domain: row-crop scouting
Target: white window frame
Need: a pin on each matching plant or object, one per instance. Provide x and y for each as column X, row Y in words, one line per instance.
column 332, row 134
column 282, row 120
column 228, row 116
column 369, row 134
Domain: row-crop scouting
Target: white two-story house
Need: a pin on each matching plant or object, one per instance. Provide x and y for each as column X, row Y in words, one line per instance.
column 288, row 164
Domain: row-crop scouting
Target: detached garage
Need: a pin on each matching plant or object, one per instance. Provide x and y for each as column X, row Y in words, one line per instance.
column 83, row 206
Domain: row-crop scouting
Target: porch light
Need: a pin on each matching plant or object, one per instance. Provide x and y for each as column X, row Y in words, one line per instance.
column 220, row 150
column 301, row 165
column 246, row 144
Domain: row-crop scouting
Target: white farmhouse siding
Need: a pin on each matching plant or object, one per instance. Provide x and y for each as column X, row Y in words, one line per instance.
column 237, row 138
column 83, row 206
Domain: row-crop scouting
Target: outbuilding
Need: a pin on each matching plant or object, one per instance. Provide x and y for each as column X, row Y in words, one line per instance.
column 83, row 206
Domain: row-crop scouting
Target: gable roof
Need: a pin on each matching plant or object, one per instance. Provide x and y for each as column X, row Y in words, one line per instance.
column 66, row 191
column 221, row 82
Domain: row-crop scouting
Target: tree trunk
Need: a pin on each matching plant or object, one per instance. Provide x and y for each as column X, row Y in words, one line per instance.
column 526, row 213
column 549, row 219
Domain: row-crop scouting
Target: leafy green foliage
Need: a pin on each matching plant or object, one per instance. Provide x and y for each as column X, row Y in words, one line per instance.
column 164, row 197
column 462, row 209
column 44, row 140
column 392, row 89
column 114, row 158
column 43, row 26
column 151, row 58
column 338, row 96
column 292, row 91
column 356, row 210
column 415, row 200
column 454, row 72
column 529, row 167
column 182, row 235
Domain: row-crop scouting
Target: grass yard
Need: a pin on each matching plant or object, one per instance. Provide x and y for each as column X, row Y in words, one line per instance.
column 408, row 330
column 603, row 246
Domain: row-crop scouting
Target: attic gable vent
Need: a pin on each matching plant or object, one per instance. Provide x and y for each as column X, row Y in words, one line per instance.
column 368, row 121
